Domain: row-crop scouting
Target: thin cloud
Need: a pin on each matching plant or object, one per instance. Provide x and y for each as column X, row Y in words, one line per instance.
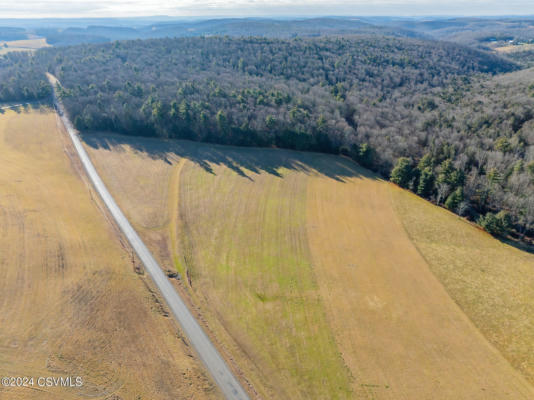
column 126, row 8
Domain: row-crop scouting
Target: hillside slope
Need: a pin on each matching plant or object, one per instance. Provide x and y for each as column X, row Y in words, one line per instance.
column 71, row 303
column 376, row 99
column 492, row 282
column 304, row 271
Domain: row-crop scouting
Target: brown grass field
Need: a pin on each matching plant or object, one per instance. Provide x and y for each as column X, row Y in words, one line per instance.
column 492, row 282
column 22, row 45
column 313, row 276
column 71, row 303
column 514, row 48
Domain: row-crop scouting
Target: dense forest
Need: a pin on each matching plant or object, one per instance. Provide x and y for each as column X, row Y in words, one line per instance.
column 21, row 78
column 428, row 114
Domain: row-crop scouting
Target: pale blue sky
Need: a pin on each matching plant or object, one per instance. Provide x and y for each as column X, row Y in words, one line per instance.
column 241, row 8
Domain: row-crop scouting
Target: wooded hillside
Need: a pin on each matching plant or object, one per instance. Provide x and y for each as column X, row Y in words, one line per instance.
column 426, row 112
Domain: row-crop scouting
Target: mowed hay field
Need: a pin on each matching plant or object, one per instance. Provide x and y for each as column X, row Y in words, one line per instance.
column 303, row 268
column 491, row 281
column 71, row 303
column 22, row 45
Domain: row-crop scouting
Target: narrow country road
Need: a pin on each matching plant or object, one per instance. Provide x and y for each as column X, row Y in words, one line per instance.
column 207, row 352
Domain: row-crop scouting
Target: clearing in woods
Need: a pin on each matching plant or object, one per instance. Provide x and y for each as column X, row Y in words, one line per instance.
column 514, row 48
column 22, row 45
column 313, row 276
column 71, row 303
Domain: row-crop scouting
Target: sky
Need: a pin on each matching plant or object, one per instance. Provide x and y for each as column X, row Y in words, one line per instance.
column 243, row 8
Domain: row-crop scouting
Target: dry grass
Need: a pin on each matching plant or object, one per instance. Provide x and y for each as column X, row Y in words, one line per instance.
column 70, row 301
column 399, row 331
column 246, row 256
column 140, row 185
column 492, row 282
column 249, row 261
column 22, row 45
column 514, row 48
column 304, row 272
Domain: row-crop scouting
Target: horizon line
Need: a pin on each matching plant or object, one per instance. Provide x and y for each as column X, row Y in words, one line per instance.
column 277, row 16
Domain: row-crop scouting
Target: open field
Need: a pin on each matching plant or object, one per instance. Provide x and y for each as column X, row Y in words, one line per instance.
column 492, row 282
column 514, row 48
column 407, row 339
column 71, row 302
column 255, row 277
column 305, row 274
column 22, row 45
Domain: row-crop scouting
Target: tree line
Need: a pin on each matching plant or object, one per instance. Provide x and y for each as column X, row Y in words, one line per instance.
column 429, row 114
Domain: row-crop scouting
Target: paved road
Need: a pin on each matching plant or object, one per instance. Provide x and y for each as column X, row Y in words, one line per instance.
column 209, row 355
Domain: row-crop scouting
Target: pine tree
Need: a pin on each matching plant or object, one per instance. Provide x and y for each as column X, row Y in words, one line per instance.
column 426, row 183
column 402, row 173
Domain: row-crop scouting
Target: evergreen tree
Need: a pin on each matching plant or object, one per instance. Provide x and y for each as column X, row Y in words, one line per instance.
column 454, row 199
column 497, row 224
column 426, row 183
column 402, row 173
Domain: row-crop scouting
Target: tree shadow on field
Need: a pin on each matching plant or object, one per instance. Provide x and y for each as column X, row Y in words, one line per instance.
column 245, row 161
column 24, row 108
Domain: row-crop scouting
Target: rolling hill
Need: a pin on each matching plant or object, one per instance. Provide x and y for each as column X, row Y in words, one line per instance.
column 380, row 100
column 321, row 280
